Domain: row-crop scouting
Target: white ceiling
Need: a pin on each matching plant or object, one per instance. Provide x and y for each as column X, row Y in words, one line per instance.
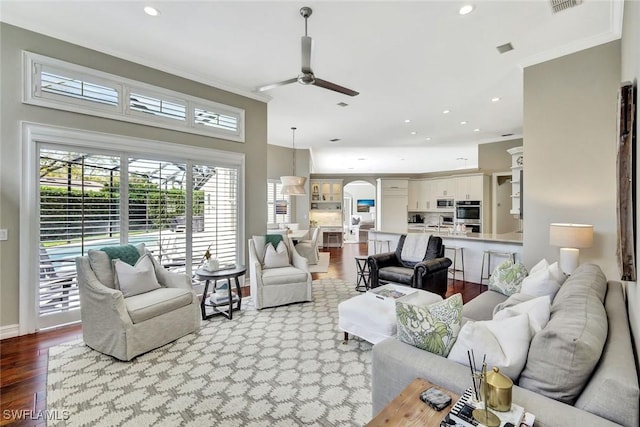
column 408, row 59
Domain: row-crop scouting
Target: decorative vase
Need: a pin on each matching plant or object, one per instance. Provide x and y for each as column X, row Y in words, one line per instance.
column 212, row 264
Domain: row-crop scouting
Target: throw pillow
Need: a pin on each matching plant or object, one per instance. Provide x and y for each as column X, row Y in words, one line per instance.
column 538, row 310
column 504, row 342
column 433, row 327
column 137, row 279
column 507, row 278
column 514, row 299
column 276, row 257
column 554, row 270
column 540, row 283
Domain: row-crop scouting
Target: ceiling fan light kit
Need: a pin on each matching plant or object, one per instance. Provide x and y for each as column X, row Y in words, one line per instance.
column 307, row 77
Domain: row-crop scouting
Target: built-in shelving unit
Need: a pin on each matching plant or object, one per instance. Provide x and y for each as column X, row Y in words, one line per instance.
column 517, row 164
column 326, row 194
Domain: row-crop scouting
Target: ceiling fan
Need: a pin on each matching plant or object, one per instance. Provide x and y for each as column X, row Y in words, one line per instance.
column 307, row 77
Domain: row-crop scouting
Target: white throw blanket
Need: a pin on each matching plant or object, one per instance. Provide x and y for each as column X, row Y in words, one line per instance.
column 415, row 247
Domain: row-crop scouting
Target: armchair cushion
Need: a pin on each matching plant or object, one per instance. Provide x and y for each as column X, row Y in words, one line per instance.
column 283, row 276
column 155, row 303
column 137, row 279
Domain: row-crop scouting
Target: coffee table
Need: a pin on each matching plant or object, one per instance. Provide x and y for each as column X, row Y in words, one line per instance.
column 372, row 316
column 408, row 410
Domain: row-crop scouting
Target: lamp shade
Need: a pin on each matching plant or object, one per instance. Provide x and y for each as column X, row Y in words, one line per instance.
column 293, row 185
column 571, row 235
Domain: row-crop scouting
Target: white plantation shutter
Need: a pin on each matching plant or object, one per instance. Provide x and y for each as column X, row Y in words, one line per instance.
column 79, row 210
column 215, row 193
column 87, row 200
column 278, row 205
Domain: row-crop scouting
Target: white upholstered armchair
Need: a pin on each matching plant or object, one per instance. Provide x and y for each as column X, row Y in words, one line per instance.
column 277, row 278
column 309, row 248
column 127, row 326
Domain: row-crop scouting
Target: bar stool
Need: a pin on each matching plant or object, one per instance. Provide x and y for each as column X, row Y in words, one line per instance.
column 336, row 237
column 362, row 284
column 487, row 256
column 454, row 266
column 380, row 243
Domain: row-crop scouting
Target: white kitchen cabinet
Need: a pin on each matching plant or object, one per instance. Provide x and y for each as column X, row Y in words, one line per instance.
column 470, row 187
column 444, row 187
column 420, row 193
column 326, row 194
column 393, row 200
column 414, row 189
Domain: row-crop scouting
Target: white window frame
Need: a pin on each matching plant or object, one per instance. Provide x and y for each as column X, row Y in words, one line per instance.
column 32, row 64
column 35, row 133
column 270, row 206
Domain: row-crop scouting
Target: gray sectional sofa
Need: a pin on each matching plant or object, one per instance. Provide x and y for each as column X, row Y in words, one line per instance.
column 580, row 371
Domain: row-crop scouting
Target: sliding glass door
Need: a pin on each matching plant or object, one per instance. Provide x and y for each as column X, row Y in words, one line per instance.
column 90, row 198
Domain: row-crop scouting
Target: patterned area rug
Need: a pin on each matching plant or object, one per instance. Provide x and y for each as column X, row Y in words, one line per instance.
column 282, row 366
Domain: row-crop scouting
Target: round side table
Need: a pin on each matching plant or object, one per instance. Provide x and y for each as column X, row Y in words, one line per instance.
column 228, row 274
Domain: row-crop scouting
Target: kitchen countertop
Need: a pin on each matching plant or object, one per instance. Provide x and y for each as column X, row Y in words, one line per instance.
column 512, row 237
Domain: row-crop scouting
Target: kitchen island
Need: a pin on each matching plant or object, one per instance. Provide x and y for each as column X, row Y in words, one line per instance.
column 474, row 245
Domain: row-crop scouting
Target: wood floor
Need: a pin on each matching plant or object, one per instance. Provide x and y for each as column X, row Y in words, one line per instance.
column 23, row 360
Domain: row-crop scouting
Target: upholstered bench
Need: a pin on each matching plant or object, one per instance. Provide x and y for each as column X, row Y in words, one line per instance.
column 372, row 316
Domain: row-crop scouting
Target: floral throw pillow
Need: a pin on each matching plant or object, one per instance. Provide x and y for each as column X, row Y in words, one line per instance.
column 507, row 278
column 433, row 327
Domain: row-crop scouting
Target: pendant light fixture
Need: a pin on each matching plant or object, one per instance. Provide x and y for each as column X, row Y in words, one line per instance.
column 293, row 185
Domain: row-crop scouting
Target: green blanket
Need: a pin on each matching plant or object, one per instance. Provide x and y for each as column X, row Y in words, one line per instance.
column 125, row 253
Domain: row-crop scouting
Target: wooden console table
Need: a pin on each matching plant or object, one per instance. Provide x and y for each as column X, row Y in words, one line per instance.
column 408, row 410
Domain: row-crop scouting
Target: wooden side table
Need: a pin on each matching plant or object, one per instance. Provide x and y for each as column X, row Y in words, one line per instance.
column 408, row 410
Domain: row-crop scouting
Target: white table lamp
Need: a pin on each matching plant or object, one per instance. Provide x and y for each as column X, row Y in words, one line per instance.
column 570, row 238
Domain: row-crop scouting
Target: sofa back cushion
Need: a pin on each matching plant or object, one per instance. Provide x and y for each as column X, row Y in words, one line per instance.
column 613, row 392
column 564, row 354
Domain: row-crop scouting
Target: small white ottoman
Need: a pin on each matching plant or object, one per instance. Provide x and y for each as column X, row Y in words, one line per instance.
column 372, row 316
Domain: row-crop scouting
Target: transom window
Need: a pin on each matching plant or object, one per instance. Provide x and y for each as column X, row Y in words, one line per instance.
column 62, row 85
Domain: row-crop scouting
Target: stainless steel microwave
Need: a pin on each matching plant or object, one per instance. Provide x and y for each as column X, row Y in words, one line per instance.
column 444, row 204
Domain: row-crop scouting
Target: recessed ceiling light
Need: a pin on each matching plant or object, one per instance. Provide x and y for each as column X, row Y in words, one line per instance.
column 476, row 130
column 151, row 11
column 466, row 9
column 342, row 104
column 407, row 121
column 414, row 132
column 446, row 111
column 362, row 158
column 496, row 99
column 463, row 122
column 428, row 138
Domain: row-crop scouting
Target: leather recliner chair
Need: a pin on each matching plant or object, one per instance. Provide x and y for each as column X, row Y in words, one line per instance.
column 430, row 274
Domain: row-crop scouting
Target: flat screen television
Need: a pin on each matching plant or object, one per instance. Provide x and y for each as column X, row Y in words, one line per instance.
column 364, row 205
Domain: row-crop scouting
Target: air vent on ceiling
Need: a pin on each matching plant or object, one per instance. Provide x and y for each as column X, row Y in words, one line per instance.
column 505, row 48
column 334, row 140
column 342, row 104
column 560, row 5
column 507, row 134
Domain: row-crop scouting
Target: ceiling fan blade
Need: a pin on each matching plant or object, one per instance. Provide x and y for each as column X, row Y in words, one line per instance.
column 307, row 51
column 273, row 85
column 332, row 86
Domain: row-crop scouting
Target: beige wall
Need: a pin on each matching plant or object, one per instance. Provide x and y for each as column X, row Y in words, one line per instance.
column 12, row 41
column 631, row 72
column 280, row 163
column 570, row 152
column 493, row 156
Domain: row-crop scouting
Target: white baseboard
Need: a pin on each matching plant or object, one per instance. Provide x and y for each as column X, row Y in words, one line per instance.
column 9, row 331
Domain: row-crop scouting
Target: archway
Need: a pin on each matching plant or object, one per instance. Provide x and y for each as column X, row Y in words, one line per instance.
column 359, row 210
